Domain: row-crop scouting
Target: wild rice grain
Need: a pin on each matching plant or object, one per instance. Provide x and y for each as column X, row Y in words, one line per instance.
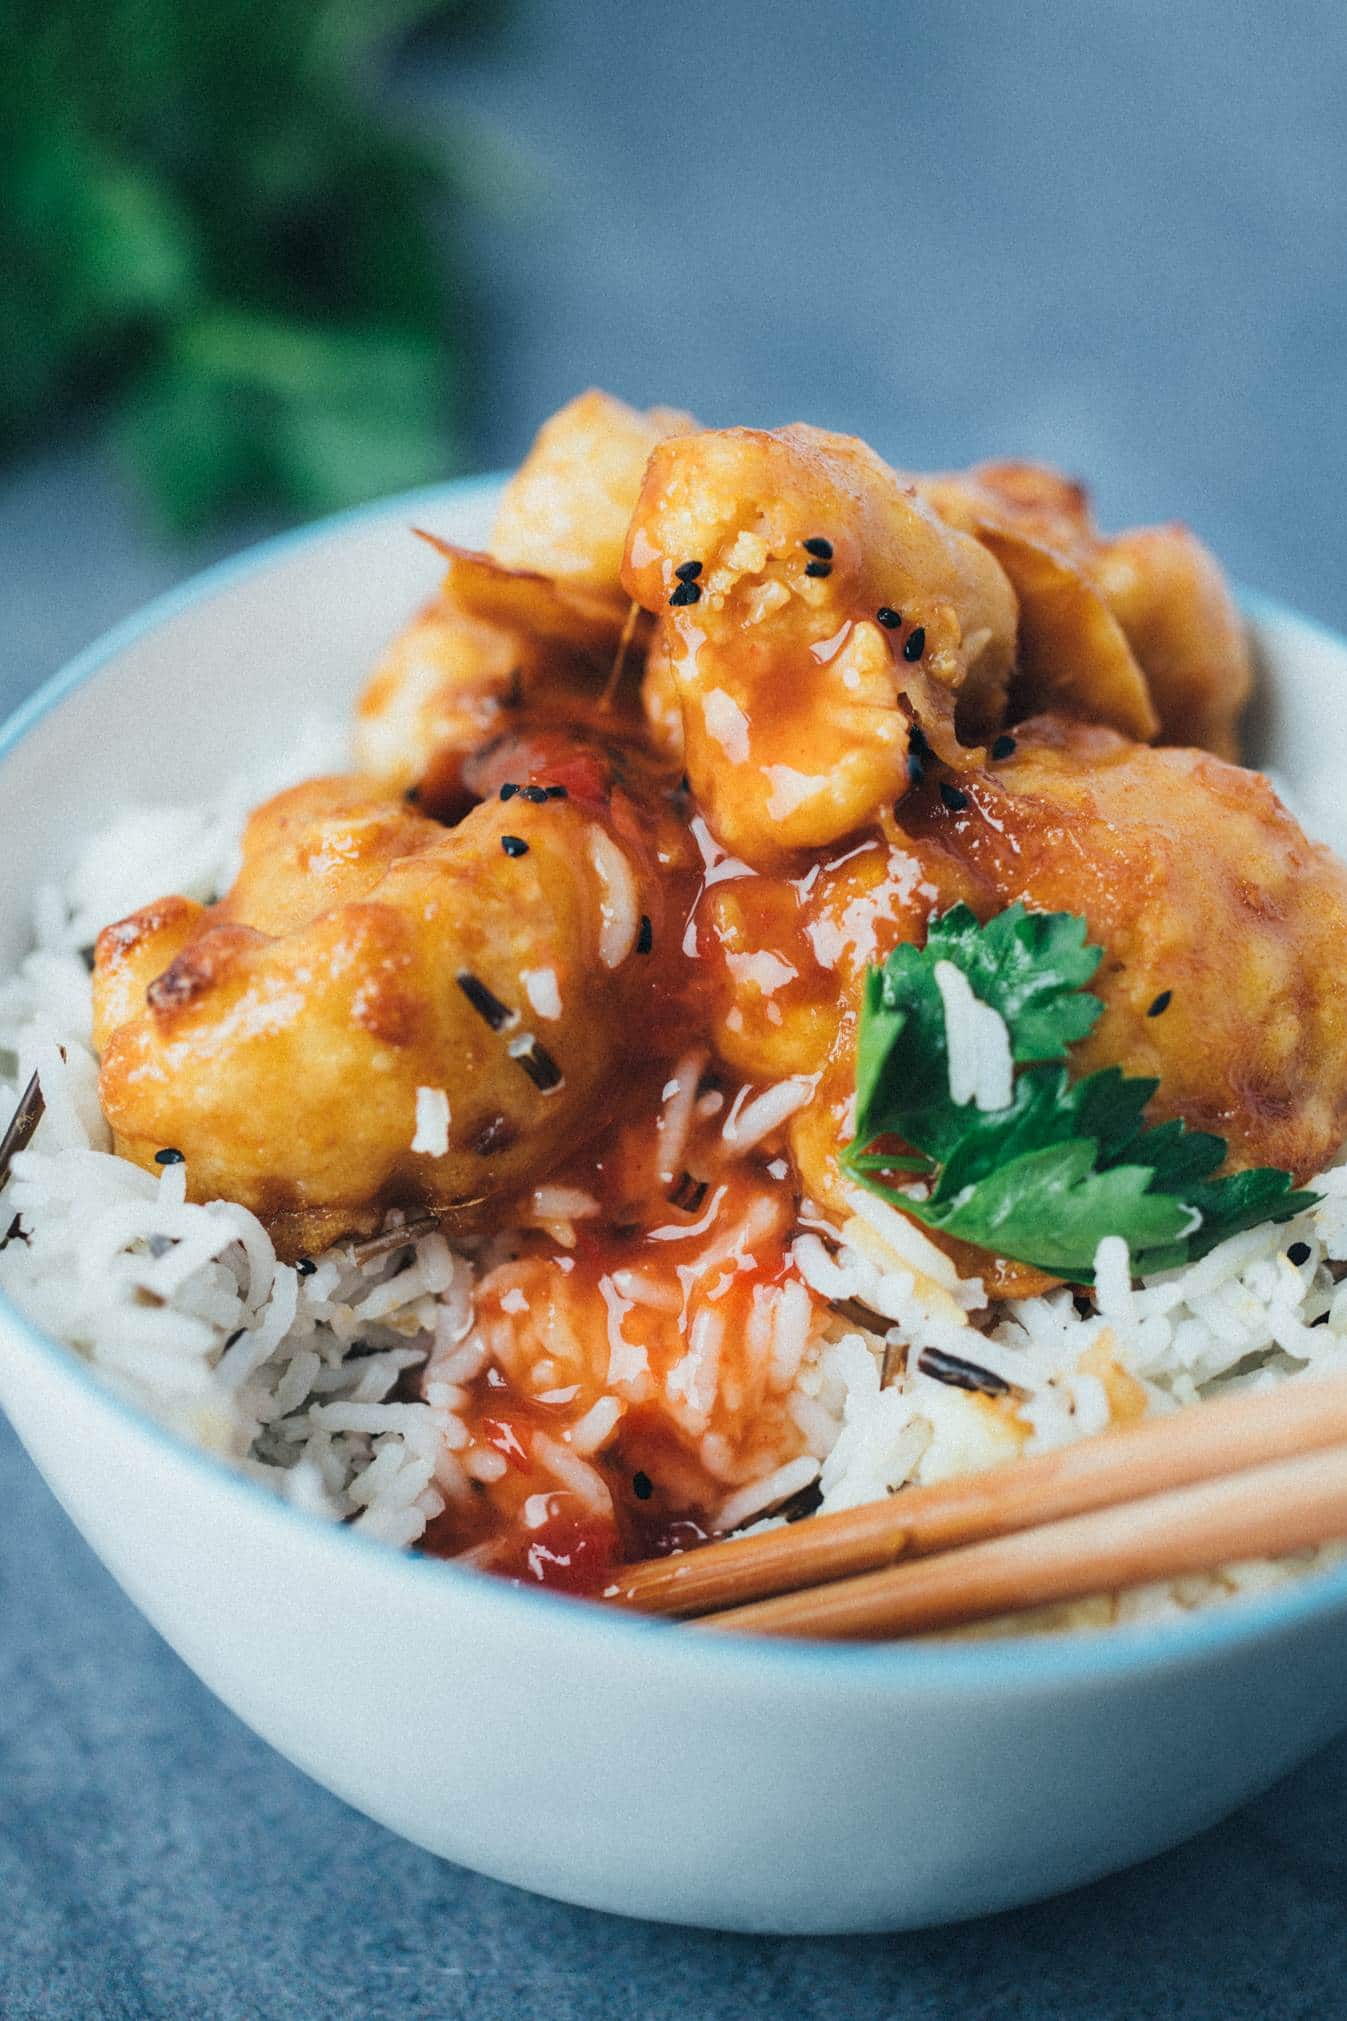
column 961, row 1374
column 487, row 1005
column 22, row 1126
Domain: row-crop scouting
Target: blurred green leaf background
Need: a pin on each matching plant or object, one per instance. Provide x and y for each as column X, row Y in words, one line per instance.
column 215, row 232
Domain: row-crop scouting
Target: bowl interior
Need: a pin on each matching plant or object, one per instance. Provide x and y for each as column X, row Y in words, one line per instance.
column 220, row 675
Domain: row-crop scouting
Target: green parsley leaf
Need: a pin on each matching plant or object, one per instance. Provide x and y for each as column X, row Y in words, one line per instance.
column 1066, row 1163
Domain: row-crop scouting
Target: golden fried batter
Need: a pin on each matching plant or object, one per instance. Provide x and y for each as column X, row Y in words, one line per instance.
column 1172, row 600
column 796, row 693
column 566, row 510
column 543, row 611
column 1140, row 631
column 1222, row 926
column 366, row 953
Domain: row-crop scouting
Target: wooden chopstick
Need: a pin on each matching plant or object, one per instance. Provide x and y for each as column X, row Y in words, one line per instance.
column 1196, row 1444
column 1263, row 1512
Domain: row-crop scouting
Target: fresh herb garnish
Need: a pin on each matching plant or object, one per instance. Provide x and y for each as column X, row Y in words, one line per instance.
column 1067, row 1162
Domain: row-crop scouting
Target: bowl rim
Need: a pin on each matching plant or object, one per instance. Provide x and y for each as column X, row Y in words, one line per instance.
column 1025, row 1660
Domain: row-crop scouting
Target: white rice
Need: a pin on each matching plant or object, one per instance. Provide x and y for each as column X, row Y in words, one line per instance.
column 619, row 904
column 977, row 1043
column 432, row 1122
column 315, row 1382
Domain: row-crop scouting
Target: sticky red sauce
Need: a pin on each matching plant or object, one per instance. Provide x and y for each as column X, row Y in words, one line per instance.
column 572, row 1551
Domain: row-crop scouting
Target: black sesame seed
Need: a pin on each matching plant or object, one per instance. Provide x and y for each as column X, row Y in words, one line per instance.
column 819, row 546
column 539, row 1065
column 508, row 790
column 888, row 617
column 1298, row 1253
column 514, row 845
column 1161, row 1004
column 688, row 571
column 412, row 796
column 1003, row 746
column 555, row 792
column 484, row 1002
column 645, row 939
column 952, row 797
column 169, row 1157
column 306, row 1266
column 818, row 568
column 535, row 795
column 686, row 593
column 960, row 1374
column 642, row 1487
column 914, row 645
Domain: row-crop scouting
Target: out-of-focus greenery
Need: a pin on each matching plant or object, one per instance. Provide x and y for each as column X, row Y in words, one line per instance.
column 211, row 229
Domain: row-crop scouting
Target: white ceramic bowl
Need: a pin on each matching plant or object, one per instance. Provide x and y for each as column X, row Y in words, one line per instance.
column 625, row 1765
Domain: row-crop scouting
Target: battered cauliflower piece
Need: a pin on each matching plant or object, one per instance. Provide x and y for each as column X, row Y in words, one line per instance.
column 366, row 954
column 811, row 608
column 1222, row 925
column 1073, row 654
column 565, row 511
column 543, row 612
column 1172, row 600
column 440, row 685
column 1139, row 632
column 494, row 641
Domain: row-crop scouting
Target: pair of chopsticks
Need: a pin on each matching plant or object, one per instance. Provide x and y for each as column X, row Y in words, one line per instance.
column 1253, row 1476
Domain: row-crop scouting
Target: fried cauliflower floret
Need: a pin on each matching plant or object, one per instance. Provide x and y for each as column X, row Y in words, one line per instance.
column 1073, row 655
column 1172, row 600
column 1139, row 631
column 494, row 641
column 796, row 697
column 365, row 954
column 1222, row 926
column 565, row 511
column 541, row 614
column 441, row 683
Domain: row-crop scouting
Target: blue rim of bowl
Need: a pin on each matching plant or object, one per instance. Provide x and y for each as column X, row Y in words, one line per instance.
column 1099, row 1655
